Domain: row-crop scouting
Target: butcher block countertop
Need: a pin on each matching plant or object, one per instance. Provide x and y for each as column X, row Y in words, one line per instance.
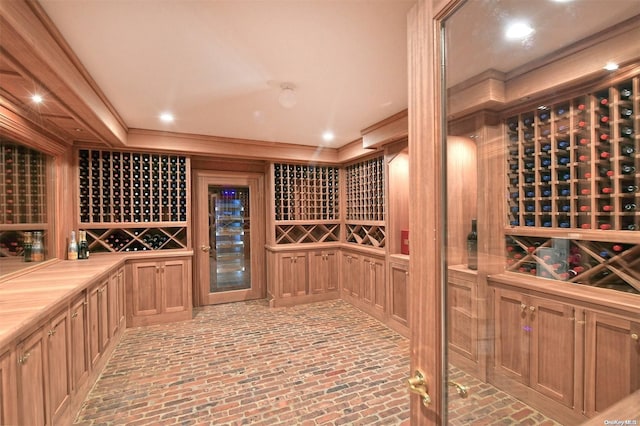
column 28, row 299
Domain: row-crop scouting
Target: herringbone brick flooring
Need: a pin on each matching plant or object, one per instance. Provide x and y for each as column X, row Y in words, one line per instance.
column 247, row 364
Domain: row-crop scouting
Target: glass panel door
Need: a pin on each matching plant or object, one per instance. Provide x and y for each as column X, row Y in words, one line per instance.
column 542, row 284
column 229, row 236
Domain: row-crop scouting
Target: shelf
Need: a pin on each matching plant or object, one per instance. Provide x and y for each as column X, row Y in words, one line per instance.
column 305, row 192
column 129, row 239
column 130, row 187
column 368, row 235
column 595, row 263
column 575, row 164
column 307, row 233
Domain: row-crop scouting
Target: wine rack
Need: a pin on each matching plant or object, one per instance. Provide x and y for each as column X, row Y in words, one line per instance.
column 23, row 194
column 365, row 203
column 112, row 240
column 305, row 192
column 307, row 203
column 596, row 263
column 575, row 164
column 129, row 187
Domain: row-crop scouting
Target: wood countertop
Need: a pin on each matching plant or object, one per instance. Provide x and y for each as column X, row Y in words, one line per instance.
column 29, row 298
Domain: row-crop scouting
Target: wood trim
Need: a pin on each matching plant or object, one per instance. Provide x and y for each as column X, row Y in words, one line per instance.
column 390, row 129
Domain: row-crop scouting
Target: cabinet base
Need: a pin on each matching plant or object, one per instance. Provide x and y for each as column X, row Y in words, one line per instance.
column 142, row 321
column 297, row 300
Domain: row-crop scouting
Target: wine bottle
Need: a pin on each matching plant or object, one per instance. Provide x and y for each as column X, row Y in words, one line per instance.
column 607, row 208
column 625, row 93
column 626, row 112
column 472, row 246
column 630, row 188
column 630, row 206
column 627, row 169
column 627, row 150
column 83, row 246
column 27, row 247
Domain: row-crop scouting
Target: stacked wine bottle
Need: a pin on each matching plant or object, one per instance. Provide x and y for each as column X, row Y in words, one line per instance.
column 365, row 190
column 575, row 164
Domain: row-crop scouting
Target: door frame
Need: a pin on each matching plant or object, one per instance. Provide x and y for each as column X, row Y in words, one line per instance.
column 255, row 182
column 427, row 211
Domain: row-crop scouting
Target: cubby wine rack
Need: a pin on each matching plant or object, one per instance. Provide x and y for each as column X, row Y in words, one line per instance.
column 112, row 240
column 307, row 203
column 130, row 187
column 23, row 194
column 596, row 263
column 306, row 192
column 365, row 203
column 575, row 164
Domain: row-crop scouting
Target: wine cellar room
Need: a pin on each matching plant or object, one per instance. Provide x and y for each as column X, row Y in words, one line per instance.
column 528, row 191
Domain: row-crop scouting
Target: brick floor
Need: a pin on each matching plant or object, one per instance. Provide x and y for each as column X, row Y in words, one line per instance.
column 245, row 363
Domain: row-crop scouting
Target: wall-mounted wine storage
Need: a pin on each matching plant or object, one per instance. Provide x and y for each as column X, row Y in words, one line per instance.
column 575, row 164
column 595, row 263
column 307, row 203
column 365, row 203
column 133, row 201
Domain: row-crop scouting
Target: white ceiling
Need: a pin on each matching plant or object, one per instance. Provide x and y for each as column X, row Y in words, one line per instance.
column 218, row 64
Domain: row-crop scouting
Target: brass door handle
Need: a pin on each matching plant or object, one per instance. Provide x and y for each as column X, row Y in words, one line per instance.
column 462, row 390
column 205, row 248
column 417, row 384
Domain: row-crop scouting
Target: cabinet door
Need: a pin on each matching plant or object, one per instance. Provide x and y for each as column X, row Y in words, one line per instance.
column 8, row 391
column 552, row 331
column 511, row 335
column 351, row 275
column 112, row 304
column 378, row 283
column 103, row 314
column 460, row 316
column 293, row 273
column 612, row 360
column 398, row 297
column 59, row 354
column 121, row 297
column 94, row 325
column 79, row 337
column 32, row 385
column 146, row 292
column 323, row 271
column 175, row 285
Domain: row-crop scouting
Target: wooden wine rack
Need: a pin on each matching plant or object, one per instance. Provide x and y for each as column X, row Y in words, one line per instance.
column 365, row 203
column 595, row 263
column 307, row 203
column 133, row 201
column 23, row 196
column 112, row 240
column 575, row 164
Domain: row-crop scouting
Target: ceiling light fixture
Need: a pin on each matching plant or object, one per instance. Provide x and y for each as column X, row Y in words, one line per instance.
column 166, row 117
column 611, row 66
column 518, row 31
column 37, row 98
column 328, row 136
column 287, row 98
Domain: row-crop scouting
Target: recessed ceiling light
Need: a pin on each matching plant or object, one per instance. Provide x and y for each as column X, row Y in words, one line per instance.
column 563, row 1
column 37, row 98
column 166, row 117
column 328, row 136
column 518, row 31
column 611, row 66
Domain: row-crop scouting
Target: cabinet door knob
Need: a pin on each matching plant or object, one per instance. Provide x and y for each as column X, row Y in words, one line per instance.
column 634, row 336
column 52, row 332
column 523, row 307
column 532, row 308
column 74, row 315
column 23, row 359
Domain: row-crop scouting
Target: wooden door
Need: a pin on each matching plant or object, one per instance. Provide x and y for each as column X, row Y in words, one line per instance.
column 175, row 276
column 94, row 325
column 331, row 270
column 103, row 315
column 512, row 329
column 553, row 350
column 32, row 380
column 398, row 292
column 379, row 298
column 318, row 272
column 112, row 303
column 293, row 274
column 8, row 391
column 59, row 355
column 121, row 297
column 612, row 360
column 79, row 333
column 146, row 292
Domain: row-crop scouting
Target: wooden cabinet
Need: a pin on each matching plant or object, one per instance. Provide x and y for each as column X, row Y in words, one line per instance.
column 8, row 391
column 350, row 277
column 373, row 284
column 612, row 360
column 399, row 296
column 159, row 291
column 535, row 343
column 462, row 317
column 59, row 354
column 98, row 319
column 79, row 360
column 323, row 271
column 32, row 380
column 293, row 274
